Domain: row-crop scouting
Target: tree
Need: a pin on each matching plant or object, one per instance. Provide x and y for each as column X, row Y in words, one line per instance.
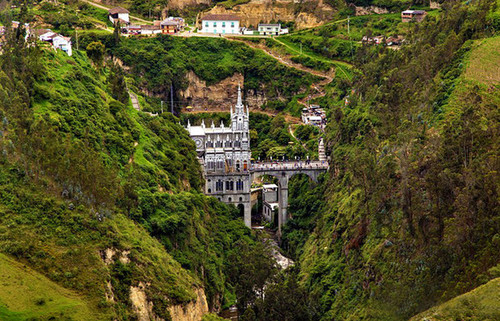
column 95, row 51
column 117, row 84
column 252, row 268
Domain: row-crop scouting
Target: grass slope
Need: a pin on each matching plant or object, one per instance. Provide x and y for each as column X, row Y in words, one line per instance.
column 484, row 62
column 27, row 294
column 481, row 303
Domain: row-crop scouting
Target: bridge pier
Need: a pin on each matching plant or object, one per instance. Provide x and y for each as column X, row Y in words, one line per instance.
column 247, row 214
column 283, row 202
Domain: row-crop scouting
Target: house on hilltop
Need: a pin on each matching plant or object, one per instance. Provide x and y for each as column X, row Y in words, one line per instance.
column 220, row 24
column 56, row 40
column 170, row 26
column 271, row 29
column 119, row 14
column 413, row 15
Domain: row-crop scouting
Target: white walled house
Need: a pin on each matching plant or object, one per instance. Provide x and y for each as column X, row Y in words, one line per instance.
column 271, row 29
column 63, row 43
column 119, row 14
column 220, row 24
column 58, row 41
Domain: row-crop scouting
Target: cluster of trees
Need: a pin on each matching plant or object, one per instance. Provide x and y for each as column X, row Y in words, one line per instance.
column 68, row 124
column 162, row 61
column 413, row 195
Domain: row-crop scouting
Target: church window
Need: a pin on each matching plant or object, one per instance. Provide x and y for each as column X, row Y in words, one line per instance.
column 219, row 186
column 239, row 185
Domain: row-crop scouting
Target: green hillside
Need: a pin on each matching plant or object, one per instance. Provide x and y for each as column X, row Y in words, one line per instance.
column 27, row 294
column 83, row 173
column 478, row 304
column 410, row 212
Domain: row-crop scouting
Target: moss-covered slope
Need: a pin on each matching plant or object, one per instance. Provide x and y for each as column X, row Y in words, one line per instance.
column 94, row 194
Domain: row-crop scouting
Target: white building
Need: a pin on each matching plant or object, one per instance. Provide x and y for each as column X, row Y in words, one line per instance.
column 271, row 29
column 269, row 201
column 63, row 43
column 119, row 14
column 220, row 24
column 58, row 41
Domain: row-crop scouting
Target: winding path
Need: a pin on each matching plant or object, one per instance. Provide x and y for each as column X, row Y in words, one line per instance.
column 100, row 6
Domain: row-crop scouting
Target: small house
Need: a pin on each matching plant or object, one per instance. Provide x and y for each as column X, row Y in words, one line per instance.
column 58, row 41
column 271, row 29
column 119, row 14
column 413, row 15
column 150, row 30
column 220, row 24
column 62, row 43
column 170, row 26
column 269, row 201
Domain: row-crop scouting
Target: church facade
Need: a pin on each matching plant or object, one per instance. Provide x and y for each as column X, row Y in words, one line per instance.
column 225, row 155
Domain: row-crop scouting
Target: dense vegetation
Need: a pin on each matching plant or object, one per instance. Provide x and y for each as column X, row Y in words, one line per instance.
column 164, row 60
column 79, row 167
column 411, row 210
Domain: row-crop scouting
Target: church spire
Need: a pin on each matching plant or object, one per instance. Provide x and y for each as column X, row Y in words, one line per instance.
column 239, row 108
column 239, row 103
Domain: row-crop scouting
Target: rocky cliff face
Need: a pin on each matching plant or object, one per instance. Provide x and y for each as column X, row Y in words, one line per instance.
column 306, row 14
column 361, row 11
column 193, row 311
column 182, row 4
column 219, row 96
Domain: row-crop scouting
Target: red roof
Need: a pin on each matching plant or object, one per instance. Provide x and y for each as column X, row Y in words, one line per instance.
column 223, row 17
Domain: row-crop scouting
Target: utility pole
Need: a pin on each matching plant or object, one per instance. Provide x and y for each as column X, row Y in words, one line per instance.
column 349, row 35
column 172, row 98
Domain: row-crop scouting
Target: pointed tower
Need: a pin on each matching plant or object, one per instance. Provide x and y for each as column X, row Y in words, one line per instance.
column 239, row 119
column 321, row 150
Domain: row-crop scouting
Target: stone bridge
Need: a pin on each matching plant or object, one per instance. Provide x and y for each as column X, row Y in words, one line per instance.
column 283, row 172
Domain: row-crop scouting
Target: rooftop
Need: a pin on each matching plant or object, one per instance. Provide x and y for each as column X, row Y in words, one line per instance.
column 413, row 12
column 116, row 10
column 150, row 27
column 169, row 23
column 221, row 17
column 269, row 24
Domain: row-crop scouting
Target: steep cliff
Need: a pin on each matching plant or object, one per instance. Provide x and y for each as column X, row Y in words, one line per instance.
column 305, row 14
column 218, row 96
column 411, row 207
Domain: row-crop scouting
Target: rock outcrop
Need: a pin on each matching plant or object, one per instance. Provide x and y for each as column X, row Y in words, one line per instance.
column 362, row 11
column 193, row 311
column 182, row 4
column 305, row 14
column 219, row 96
